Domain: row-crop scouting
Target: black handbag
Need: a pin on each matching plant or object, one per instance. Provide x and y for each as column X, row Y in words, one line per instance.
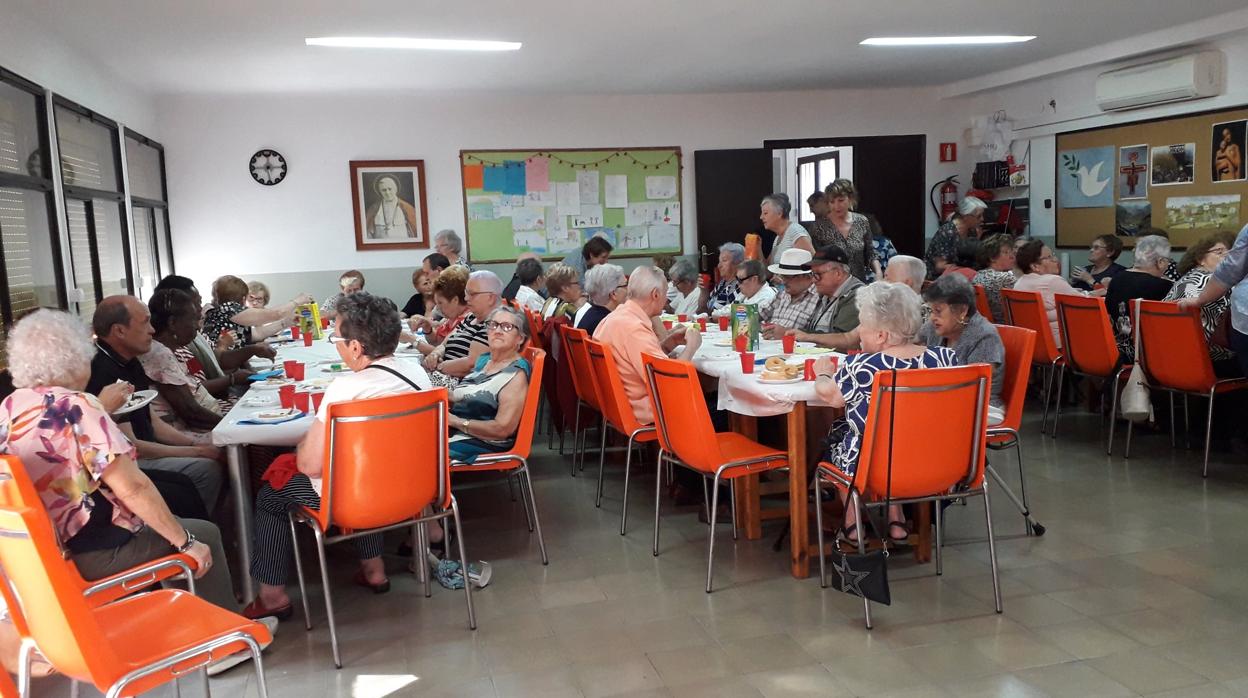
column 866, row 574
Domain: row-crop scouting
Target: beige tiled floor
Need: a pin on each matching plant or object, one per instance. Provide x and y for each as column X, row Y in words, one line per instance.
column 1136, row 588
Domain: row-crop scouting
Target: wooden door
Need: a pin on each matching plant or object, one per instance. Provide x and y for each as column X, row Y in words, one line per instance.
column 728, row 185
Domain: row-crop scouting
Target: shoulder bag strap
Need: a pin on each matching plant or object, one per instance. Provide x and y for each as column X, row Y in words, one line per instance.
column 395, row 373
column 888, row 486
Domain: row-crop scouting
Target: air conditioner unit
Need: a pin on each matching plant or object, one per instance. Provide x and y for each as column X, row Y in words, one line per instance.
column 1177, row 79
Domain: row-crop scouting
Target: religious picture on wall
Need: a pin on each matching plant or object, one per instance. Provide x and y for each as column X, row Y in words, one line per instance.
column 1084, row 178
column 1173, row 164
column 388, row 197
column 1228, row 151
column 1132, row 171
column 1130, row 217
column 1202, row 213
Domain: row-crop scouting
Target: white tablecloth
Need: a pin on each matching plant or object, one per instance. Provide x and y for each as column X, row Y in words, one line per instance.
column 745, row 394
column 229, row 432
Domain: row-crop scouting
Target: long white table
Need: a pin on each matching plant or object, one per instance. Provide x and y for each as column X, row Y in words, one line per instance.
column 235, row 437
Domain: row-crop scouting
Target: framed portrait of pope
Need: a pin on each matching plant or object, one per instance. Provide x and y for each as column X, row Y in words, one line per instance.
column 388, row 197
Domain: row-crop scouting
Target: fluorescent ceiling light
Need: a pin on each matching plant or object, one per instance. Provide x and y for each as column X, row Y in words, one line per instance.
column 411, row 43
column 943, row 40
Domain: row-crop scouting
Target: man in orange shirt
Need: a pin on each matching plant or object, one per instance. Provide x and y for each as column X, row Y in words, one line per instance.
column 630, row 332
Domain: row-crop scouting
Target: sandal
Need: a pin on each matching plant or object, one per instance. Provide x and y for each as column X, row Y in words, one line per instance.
column 361, row 580
column 898, row 524
column 405, row 549
column 257, row 610
column 847, row 532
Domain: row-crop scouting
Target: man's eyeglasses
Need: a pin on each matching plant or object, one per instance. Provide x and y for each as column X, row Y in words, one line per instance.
column 504, row 327
column 470, row 294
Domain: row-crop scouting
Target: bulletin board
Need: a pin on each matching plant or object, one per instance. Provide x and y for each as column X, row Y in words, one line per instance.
column 551, row 201
column 1189, row 179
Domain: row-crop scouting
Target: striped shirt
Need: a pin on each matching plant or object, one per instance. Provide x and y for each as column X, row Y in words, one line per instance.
column 469, row 331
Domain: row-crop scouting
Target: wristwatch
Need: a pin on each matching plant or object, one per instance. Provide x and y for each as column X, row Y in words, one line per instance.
column 190, row 540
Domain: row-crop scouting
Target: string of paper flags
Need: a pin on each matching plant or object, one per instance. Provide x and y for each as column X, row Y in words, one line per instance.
column 619, row 154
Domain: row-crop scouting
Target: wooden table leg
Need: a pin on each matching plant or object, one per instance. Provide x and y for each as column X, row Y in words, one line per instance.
column 799, row 534
column 923, row 532
column 745, row 489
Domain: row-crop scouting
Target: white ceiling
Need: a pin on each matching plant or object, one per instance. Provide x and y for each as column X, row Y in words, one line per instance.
column 598, row 46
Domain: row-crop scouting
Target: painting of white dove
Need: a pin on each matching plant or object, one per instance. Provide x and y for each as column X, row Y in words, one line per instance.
column 1084, row 178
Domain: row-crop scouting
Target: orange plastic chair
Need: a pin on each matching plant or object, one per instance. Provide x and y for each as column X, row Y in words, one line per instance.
column 1175, row 357
column 1026, row 309
column 586, row 390
column 1020, row 345
column 123, row 648
column 687, row 438
column 981, row 302
column 1090, row 350
column 618, row 414
column 938, row 451
column 515, row 462
column 385, row 462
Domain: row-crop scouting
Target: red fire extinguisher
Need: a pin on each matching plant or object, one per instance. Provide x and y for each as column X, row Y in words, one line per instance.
column 948, row 198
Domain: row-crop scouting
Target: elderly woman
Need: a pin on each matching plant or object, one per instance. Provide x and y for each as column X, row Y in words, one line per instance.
column 731, row 255
column 1103, row 264
column 529, row 272
column 1146, row 280
column 1231, row 275
column 955, row 323
column 1042, row 273
column 486, row 405
column 888, row 317
column 365, row 337
column 944, row 244
column 448, row 242
column 996, row 257
column 258, row 295
column 349, row 282
column 607, row 289
column 1197, row 268
column 107, row 513
column 848, row 230
column 752, row 287
column 964, row 259
column 683, row 279
column 455, row 358
column 227, row 315
column 186, row 400
column 563, row 286
column 774, row 212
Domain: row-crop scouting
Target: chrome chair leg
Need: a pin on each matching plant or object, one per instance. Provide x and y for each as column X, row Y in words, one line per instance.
column 511, row 491
column 1208, row 432
column 706, row 499
column 528, row 515
column 658, row 491
column 421, row 558
column 1130, row 428
column 1048, row 394
column 710, row 544
column 329, row 601
column 25, row 656
column 1113, row 411
column 1172, row 416
column 628, row 462
column 576, row 433
column 732, row 503
column 862, row 547
column 602, row 458
column 1057, row 408
column 537, row 521
column 303, row 587
column 936, row 519
column 823, row 572
column 992, row 551
column 463, row 561
column 257, row 660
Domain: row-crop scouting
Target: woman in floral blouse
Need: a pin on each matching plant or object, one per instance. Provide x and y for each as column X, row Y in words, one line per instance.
column 996, row 257
column 848, row 230
column 944, row 244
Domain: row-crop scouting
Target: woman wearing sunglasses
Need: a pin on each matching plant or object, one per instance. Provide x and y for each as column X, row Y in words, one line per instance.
column 486, row 405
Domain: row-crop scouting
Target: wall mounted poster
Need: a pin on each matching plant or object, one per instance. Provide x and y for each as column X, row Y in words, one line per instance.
column 1228, row 151
column 1130, row 217
column 1202, row 213
column 1132, row 168
column 1083, row 178
column 1173, row 164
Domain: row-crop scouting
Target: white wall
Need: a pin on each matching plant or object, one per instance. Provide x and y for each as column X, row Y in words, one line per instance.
column 223, row 222
column 40, row 55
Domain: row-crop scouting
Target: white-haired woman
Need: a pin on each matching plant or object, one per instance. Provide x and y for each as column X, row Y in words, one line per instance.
column 731, row 255
column 486, row 405
column 774, row 212
column 607, row 289
column 107, row 513
column 683, row 279
column 449, row 243
column 888, row 325
column 1144, row 280
column 964, row 224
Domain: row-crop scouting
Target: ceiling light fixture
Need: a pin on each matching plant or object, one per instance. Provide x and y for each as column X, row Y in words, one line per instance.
column 411, row 43
column 943, row 40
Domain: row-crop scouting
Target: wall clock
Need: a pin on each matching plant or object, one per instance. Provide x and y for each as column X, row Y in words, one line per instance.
column 268, row 167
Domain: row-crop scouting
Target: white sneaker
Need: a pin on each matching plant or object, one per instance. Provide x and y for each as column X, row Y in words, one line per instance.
column 230, row 661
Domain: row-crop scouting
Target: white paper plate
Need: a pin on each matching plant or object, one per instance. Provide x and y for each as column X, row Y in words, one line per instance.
column 265, row 400
column 278, row 415
column 786, row 381
column 719, row 355
column 137, row 400
column 272, row 384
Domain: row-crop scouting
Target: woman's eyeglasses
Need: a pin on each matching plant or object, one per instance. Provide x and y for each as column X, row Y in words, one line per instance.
column 504, row 327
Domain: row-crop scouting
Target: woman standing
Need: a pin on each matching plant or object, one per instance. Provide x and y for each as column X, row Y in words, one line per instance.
column 996, row 256
column 944, row 244
column 1197, row 268
column 848, row 230
column 487, row 404
column 955, row 323
column 774, row 213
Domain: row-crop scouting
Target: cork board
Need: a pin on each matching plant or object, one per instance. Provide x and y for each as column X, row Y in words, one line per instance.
column 1191, row 219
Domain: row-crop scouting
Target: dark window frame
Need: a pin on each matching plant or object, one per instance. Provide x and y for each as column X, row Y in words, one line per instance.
column 149, row 205
column 816, row 160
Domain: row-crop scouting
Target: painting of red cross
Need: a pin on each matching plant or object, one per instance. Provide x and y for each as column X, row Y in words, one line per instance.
column 1132, row 164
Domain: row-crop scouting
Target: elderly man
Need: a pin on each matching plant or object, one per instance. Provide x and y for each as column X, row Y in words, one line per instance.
column 123, row 333
column 794, row 307
column 752, row 287
column 629, row 331
column 835, row 318
column 448, row 242
column 606, row 288
column 910, row 271
column 484, row 293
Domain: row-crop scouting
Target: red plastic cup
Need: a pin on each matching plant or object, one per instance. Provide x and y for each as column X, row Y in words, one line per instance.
column 739, row 342
column 289, row 366
column 747, row 362
column 286, row 394
column 301, row 400
column 294, row 332
column 808, row 370
column 701, row 324
column 307, row 339
column 723, row 323
column 787, row 342
column 316, row 400
column 324, row 323
column 667, row 324
column 296, row 371
column 683, row 317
